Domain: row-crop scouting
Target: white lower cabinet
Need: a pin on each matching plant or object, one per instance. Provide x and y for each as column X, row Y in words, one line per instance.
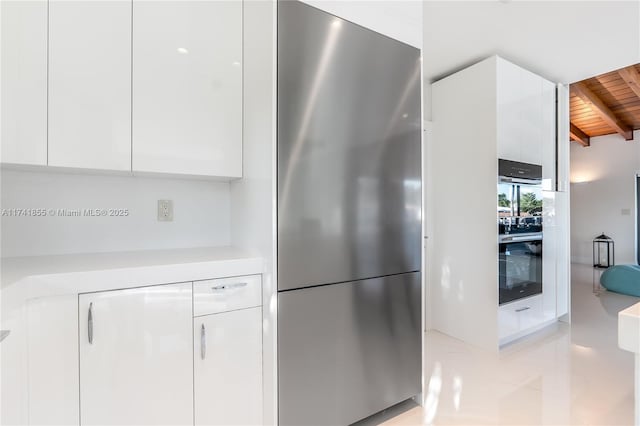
column 146, row 360
column 519, row 316
column 228, row 368
column 136, row 364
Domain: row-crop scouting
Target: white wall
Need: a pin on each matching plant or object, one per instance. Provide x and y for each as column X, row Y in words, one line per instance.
column 545, row 37
column 603, row 195
column 201, row 213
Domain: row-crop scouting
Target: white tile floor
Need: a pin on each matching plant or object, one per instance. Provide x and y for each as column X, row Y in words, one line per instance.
column 569, row 375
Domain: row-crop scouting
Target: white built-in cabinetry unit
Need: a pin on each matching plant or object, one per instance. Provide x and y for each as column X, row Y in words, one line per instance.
column 176, row 353
column 124, row 86
column 509, row 113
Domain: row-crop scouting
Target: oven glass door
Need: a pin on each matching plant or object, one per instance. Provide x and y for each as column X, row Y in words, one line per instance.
column 519, row 208
column 520, row 270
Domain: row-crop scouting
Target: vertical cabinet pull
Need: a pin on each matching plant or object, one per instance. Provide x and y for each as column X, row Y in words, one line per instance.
column 203, row 342
column 90, row 324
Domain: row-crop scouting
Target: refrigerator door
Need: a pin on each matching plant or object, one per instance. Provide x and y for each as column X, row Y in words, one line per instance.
column 349, row 169
column 349, row 350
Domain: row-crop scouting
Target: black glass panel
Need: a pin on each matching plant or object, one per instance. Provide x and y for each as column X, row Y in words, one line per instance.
column 520, row 265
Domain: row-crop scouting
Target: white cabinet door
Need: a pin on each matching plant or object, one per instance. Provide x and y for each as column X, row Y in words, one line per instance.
column 548, row 136
column 24, row 82
column 531, row 313
column 90, row 84
column 563, row 258
column 187, row 87
column 508, row 322
column 136, row 363
column 530, row 105
column 562, row 135
column 520, row 107
column 228, row 368
column 549, row 254
column 52, row 356
column 509, row 106
column 518, row 317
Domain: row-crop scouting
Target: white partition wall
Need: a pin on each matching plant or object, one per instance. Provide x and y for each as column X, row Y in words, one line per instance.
column 464, row 290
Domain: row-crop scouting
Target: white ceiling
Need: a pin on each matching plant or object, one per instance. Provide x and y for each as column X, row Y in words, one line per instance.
column 564, row 41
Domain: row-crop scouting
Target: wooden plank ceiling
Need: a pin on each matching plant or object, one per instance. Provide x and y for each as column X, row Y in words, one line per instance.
column 606, row 104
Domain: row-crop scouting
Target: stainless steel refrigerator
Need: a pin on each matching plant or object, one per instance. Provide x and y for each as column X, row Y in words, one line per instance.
column 349, row 219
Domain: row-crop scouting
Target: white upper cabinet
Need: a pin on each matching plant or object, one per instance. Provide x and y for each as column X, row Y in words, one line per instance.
column 90, row 84
column 509, row 106
column 562, row 136
column 531, row 117
column 548, row 135
column 187, row 87
column 523, row 103
column 136, row 356
column 24, row 82
column 153, row 86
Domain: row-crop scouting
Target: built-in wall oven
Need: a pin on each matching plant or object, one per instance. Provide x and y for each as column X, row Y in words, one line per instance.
column 520, row 230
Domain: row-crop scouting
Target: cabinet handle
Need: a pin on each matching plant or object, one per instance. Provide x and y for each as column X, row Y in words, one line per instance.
column 90, row 324
column 223, row 287
column 523, row 309
column 203, row 342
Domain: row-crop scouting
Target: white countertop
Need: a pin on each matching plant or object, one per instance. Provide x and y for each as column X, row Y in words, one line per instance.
column 24, row 278
column 629, row 329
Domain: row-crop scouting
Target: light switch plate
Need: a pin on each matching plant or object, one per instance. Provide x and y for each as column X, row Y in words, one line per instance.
column 165, row 210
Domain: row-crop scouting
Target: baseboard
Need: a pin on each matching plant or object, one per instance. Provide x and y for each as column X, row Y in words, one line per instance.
column 525, row 333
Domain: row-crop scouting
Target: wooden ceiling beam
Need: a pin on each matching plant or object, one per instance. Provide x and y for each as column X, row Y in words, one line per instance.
column 631, row 76
column 578, row 135
column 583, row 92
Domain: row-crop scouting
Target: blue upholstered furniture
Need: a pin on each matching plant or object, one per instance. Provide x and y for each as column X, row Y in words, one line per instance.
column 624, row 279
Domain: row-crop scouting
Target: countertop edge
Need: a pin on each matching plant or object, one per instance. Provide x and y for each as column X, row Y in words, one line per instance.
column 629, row 329
column 32, row 284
